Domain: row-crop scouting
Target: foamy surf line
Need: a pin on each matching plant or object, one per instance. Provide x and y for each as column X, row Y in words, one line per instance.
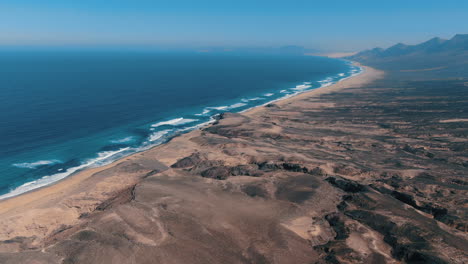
column 172, row 128
column 174, row 122
column 102, row 159
column 352, row 72
column 35, row 164
column 47, row 180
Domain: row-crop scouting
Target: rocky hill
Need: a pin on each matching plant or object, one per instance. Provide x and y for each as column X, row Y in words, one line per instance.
column 441, row 58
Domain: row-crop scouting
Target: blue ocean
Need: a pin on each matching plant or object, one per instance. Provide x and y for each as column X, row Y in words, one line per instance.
column 64, row 111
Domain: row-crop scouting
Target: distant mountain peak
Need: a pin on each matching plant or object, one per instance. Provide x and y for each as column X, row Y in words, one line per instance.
column 434, row 58
column 458, row 42
column 433, row 46
column 460, row 36
column 399, row 45
column 435, row 40
column 377, row 49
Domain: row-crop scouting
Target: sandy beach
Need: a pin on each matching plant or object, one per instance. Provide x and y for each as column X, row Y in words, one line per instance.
column 275, row 184
column 88, row 188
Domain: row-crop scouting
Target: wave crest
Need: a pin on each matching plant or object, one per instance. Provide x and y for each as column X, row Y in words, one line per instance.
column 174, row 122
column 122, row 140
column 158, row 135
column 102, row 158
column 33, row 165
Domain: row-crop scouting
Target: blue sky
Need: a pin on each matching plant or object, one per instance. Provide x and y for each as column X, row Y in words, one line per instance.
column 334, row 25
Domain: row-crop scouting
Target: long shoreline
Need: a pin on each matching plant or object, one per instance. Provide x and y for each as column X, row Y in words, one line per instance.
column 43, row 212
column 77, row 177
column 19, row 191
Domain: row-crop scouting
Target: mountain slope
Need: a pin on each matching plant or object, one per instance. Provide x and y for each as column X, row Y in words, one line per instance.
column 443, row 58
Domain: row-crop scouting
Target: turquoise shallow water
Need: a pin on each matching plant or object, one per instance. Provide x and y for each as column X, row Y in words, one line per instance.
column 64, row 111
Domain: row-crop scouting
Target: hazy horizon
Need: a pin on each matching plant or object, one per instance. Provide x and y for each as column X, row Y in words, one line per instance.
column 326, row 26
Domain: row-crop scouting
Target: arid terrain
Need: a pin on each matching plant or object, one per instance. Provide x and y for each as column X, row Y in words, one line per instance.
column 372, row 170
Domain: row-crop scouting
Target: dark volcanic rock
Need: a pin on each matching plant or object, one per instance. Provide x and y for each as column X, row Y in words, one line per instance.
column 317, row 171
column 294, row 167
column 245, row 170
column 189, row 161
column 272, row 166
column 337, row 223
column 219, row 173
column 407, row 242
column 346, row 185
column 271, row 105
column 269, row 166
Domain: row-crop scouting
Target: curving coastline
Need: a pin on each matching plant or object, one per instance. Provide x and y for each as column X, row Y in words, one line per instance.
column 365, row 75
column 170, row 128
column 368, row 170
column 45, row 218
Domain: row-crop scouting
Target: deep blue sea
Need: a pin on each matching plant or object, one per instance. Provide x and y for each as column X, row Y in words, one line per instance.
column 63, row 111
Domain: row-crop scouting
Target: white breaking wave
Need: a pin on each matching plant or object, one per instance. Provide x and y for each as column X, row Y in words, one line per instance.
column 158, row 135
column 122, row 140
column 156, row 138
column 33, row 165
column 236, row 105
column 325, row 84
column 255, row 99
column 341, row 74
column 102, row 159
column 174, row 122
column 205, row 111
column 224, row 107
column 327, row 80
column 302, row 87
column 212, row 120
column 210, row 108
